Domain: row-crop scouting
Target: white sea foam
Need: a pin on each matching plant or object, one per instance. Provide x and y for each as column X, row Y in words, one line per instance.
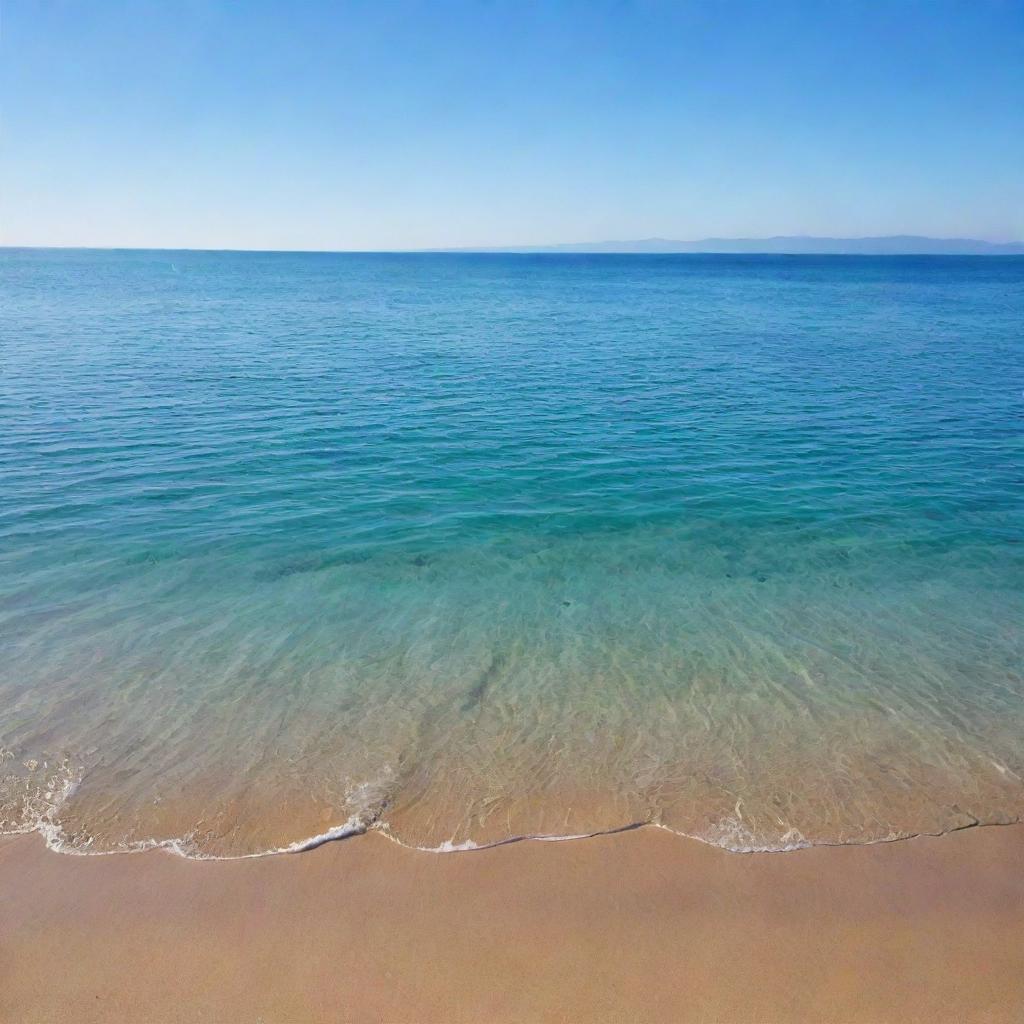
column 736, row 836
column 40, row 809
column 41, row 801
column 449, row 847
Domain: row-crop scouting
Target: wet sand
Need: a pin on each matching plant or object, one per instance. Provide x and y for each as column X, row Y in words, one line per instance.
column 639, row 926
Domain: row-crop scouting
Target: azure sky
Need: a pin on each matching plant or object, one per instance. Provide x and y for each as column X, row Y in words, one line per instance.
column 405, row 125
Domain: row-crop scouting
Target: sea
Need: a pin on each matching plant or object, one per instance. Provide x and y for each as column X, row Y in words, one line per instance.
column 468, row 548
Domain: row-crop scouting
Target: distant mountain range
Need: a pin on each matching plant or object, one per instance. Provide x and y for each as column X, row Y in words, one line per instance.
column 886, row 245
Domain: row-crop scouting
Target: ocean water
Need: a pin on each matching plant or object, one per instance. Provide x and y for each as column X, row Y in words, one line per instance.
column 471, row 547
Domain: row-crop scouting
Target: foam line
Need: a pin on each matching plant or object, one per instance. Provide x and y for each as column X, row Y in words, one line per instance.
column 731, row 835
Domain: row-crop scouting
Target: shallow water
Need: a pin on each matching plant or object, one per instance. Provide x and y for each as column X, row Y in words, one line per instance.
column 470, row 547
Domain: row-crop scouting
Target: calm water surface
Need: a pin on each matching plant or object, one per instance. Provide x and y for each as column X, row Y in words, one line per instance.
column 472, row 547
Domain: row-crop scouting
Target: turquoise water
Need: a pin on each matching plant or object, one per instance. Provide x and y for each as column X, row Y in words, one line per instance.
column 467, row 547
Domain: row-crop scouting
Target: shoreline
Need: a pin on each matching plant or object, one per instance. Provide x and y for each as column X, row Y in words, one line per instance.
column 733, row 835
column 353, row 829
column 630, row 926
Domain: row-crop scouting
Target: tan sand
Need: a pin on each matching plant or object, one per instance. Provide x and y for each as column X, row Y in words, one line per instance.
column 640, row 926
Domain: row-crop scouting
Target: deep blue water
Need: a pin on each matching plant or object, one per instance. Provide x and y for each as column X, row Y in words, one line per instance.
column 471, row 546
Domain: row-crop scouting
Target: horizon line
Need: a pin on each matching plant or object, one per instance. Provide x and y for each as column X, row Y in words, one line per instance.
column 606, row 247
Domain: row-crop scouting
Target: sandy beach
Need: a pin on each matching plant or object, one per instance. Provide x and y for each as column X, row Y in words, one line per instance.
column 638, row 926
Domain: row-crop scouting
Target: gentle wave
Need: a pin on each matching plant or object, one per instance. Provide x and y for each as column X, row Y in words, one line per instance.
column 732, row 835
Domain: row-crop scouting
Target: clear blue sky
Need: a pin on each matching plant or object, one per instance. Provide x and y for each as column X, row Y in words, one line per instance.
column 210, row 123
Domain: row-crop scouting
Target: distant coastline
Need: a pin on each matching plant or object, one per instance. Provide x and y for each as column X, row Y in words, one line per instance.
column 796, row 245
